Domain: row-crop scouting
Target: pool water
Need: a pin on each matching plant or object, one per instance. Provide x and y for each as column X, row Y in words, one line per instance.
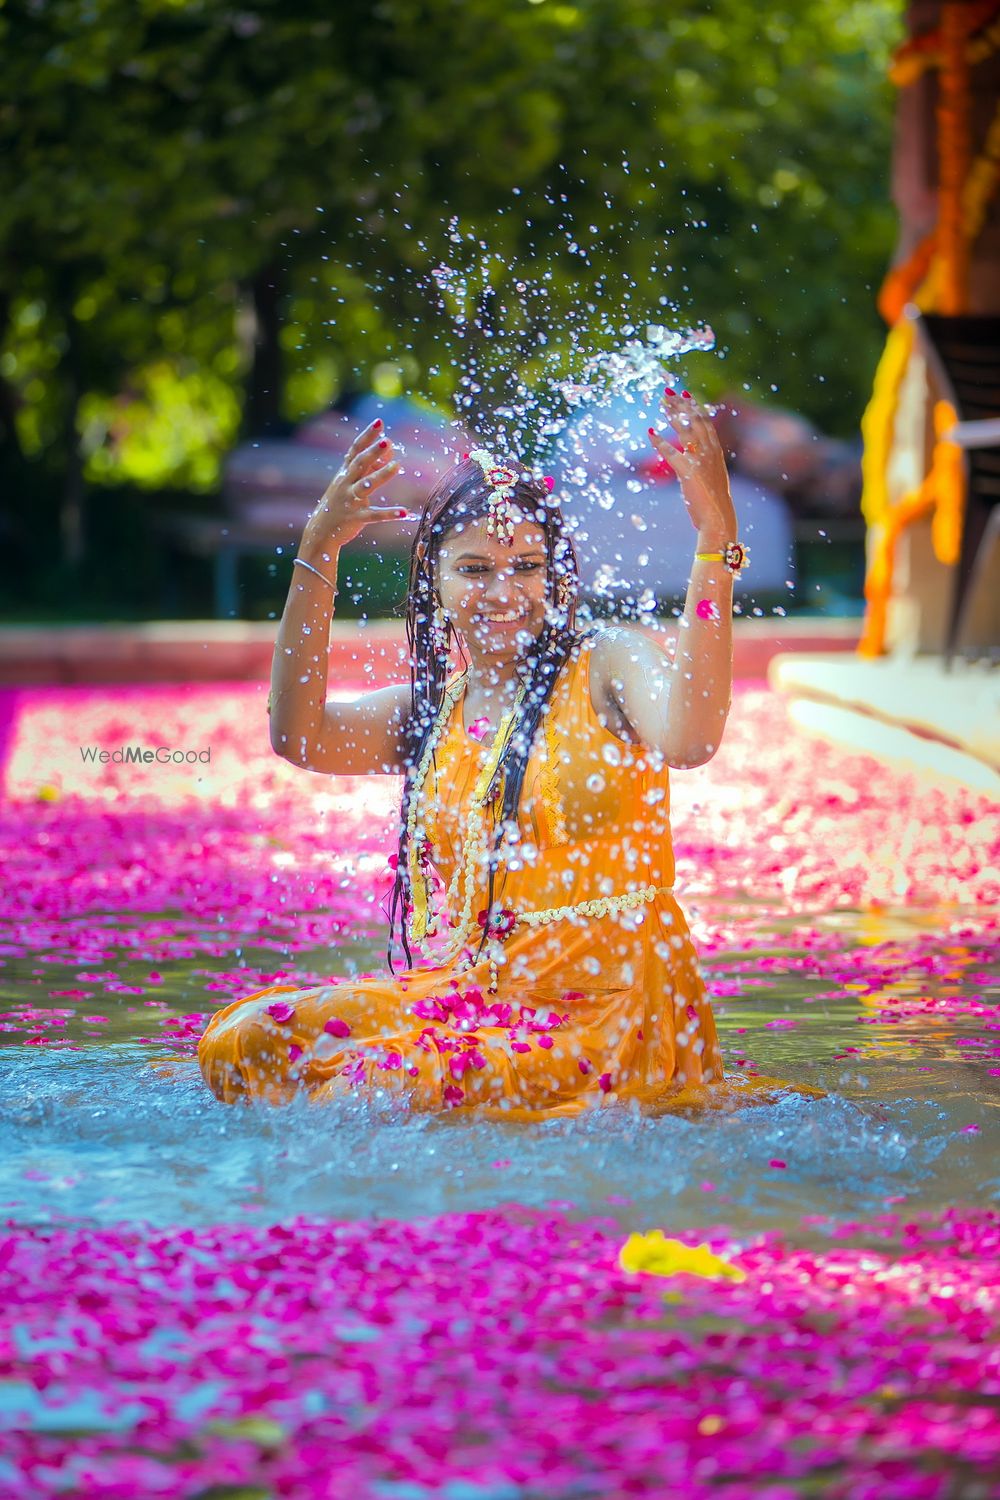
column 108, row 1122
column 252, row 1304
column 848, row 940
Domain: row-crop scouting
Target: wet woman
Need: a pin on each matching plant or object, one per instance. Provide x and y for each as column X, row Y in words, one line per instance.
column 542, row 963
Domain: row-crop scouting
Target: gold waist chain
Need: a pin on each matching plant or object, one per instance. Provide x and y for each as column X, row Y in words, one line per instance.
column 505, row 920
column 599, row 906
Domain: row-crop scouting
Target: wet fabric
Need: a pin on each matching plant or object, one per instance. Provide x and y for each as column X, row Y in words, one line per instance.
column 593, row 1008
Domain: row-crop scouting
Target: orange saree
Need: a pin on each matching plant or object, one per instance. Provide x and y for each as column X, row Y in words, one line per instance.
column 594, row 998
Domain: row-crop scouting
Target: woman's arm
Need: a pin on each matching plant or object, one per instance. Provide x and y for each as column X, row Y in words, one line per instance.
column 355, row 738
column 680, row 708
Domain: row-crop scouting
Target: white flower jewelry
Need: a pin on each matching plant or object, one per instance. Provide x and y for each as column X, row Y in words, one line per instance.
column 501, row 479
column 734, row 557
column 476, row 847
column 499, row 922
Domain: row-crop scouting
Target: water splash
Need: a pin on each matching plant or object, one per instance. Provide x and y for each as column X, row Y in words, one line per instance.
column 641, row 363
column 525, row 362
column 571, row 387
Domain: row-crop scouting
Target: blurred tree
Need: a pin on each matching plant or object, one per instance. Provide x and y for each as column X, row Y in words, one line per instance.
column 240, row 206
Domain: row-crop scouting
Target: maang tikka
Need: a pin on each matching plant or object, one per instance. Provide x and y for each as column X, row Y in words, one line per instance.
column 501, row 479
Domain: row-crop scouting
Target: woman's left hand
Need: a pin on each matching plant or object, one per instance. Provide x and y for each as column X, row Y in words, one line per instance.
column 698, row 461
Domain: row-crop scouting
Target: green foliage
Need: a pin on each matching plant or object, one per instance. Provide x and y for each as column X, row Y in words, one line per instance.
column 155, row 155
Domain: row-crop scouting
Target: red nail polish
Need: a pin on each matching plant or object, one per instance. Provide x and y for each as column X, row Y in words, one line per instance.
column 668, row 390
column 686, row 395
column 384, row 443
column 402, row 512
column 652, row 432
column 378, row 422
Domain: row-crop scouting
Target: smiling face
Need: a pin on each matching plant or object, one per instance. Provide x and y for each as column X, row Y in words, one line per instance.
column 494, row 594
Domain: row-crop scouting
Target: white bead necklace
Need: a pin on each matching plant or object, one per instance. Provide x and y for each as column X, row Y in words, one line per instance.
column 475, row 849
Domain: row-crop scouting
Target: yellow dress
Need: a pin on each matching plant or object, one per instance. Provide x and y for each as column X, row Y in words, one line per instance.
column 601, row 1004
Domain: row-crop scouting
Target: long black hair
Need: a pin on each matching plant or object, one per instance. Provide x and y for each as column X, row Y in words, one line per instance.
column 461, row 496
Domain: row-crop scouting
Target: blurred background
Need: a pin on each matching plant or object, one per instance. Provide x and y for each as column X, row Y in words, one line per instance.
column 231, row 232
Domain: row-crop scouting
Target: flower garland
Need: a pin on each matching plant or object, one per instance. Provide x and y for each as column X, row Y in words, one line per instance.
column 877, row 422
column 954, row 157
column 549, row 778
column 496, row 922
column 599, row 906
column 943, row 490
column 476, row 846
column 920, row 53
column 981, row 183
column 417, row 844
column 934, row 277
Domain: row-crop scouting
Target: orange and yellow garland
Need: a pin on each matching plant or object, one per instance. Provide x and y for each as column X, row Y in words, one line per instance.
column 911, row 60
column 934, row 277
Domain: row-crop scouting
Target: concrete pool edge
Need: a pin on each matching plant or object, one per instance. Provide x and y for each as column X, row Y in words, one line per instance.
column 233, row 650
column 914, row 713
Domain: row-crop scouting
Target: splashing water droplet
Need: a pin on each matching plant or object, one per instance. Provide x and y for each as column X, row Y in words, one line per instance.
column 641, row 363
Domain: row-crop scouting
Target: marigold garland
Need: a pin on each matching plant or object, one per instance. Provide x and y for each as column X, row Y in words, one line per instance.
column 934, row 277
column 954, row 158
column 901, row 284
column 920, row 53
column 877, row 422
column 943, row 490
column 981, row 183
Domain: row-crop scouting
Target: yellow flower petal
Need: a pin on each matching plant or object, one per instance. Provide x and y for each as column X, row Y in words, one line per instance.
column 659, row 1256
column 261, row 1430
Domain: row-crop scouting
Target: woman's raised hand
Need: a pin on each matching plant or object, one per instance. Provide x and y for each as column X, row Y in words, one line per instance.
column 699, row 463
column 346, row 507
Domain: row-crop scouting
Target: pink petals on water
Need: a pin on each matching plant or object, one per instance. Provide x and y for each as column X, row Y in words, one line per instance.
column 405, row 1357
column 479, row 728
column 283, row 1360
column 281, row 1012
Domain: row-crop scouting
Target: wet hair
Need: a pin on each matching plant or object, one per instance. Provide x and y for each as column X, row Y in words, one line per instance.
column 460, row 497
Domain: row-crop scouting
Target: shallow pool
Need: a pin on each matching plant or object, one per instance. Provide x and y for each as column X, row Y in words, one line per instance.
column 254, row 1304
column 845, row 917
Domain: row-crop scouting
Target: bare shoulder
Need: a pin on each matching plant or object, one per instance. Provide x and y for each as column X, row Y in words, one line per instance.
column 628, row 672
column 616, row 649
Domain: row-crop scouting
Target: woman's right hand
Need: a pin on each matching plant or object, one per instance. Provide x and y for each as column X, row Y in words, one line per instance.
column 346, row 509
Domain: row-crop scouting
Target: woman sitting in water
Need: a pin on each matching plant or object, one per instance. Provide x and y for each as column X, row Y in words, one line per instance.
column 560, row 973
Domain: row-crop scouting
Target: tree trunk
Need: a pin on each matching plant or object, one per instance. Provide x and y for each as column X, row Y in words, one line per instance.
column 262, row 411
column 13, row 528
column 11, row 452
column 71, row 508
